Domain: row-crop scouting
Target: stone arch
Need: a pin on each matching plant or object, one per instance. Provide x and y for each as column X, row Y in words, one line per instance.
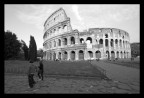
column 107, row 54
column 116, row 41
column 65, row 28
column 124, row 54
column 106, row 35
column 90, row 39
column 98, row 54
column 72, row 40
column 54, row 56
column 106, row 42
column 117, row 54
column 65, row 55
column 59, row 55
column 59, row 42
column 121, row 54
column 101, row 41
column 81, row 40
column 72, row 55
column 111, row 42
column 90, row 53
column 65, row 41
column 112, row 55
column 81, row 55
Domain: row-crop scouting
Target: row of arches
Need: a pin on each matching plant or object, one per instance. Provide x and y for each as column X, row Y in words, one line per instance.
column 112, row 42
column 60, row 29
column 72, row 40
column 90, row 55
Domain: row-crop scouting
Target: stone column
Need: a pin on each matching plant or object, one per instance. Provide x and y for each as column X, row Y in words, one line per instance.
column 94, row 56
column 56, row 55
column 85, row 55
column 76, row 55
column 69, row 28
column 68, row 40
column 68, row 52
column 77, row 39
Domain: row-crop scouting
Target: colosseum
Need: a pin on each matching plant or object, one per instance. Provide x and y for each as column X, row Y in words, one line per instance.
column 63, row 43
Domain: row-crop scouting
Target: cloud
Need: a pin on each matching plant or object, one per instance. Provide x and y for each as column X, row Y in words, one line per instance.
column 75, row 10
column 37, row 17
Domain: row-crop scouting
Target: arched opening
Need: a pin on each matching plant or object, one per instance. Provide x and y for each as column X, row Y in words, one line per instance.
column 106, row 35
column 90, row 54
column 81, row 55
column 107, row 54
column 124, row 54
column 89, row 39
column 72, row 55
column 101, row 41
column 72, row 40
column 117, row 54
column 81, row 40
column 121, row 54
column 112, row 55
column 116, row 42
column 54, row 56
column 106, row 42
column 98, row 54
column 65, row 55
column 65, row 28
column 65, row 41
column 111, row 42
column 59, row 42
column 59, row 55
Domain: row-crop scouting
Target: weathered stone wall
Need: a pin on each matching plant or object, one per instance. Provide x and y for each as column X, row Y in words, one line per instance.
column 67, row 44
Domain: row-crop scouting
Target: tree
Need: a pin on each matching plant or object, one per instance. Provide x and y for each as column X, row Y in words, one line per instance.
column 32, row 49
column 40, row 53
column 25, row 49
column 12, row 45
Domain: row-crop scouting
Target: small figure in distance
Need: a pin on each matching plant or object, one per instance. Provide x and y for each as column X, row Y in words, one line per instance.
column 31, row 71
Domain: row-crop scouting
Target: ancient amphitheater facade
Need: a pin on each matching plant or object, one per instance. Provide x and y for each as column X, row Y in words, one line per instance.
column 64, row 43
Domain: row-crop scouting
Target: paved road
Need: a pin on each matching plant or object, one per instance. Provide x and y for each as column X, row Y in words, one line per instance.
column 19, row 84
column 119, row 73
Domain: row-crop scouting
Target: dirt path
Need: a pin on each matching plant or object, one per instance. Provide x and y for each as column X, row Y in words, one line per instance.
column 19, row 84
column 126, row 75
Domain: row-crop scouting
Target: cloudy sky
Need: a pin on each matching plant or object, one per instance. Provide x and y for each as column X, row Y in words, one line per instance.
column 26, row 19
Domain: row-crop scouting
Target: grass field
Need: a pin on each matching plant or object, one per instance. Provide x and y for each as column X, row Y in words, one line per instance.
column 127, row 62
column 79, row 68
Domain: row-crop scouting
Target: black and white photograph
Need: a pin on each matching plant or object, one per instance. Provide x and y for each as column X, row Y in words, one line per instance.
column 72, row 48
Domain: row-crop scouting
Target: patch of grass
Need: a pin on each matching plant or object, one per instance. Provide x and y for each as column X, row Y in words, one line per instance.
column 127, row 63
column 78, row 68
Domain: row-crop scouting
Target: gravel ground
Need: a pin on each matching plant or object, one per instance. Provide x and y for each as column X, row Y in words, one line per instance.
column 18, row 84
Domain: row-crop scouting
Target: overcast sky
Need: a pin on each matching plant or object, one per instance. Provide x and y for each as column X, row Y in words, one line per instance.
column 25, row 19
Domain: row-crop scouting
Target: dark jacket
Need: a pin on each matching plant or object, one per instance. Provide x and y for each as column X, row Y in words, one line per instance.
column 41, row 66
column 32, row 69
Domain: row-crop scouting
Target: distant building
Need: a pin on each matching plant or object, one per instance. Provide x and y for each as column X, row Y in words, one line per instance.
column 135, row 49
column 62, row 42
